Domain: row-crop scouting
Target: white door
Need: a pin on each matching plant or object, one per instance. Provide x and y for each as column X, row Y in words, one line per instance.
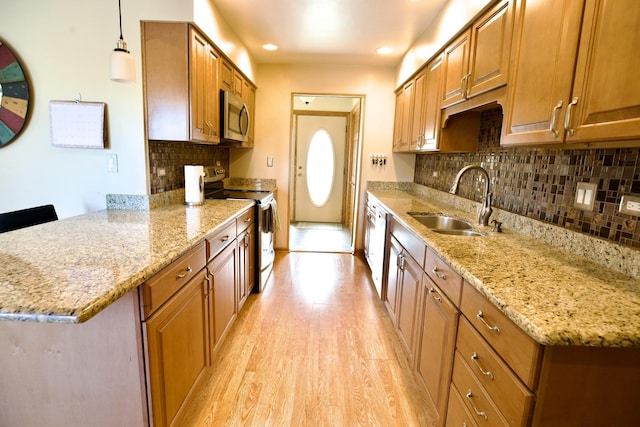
column 319, row 174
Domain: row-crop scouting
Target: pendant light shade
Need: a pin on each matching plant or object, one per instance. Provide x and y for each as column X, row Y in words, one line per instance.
column 123, row 67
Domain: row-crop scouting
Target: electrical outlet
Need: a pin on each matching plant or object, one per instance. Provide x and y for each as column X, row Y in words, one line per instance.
column 585, row 196
column 630, row 205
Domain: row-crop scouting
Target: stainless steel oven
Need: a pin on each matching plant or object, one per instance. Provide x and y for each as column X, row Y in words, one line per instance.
column 265, row 253
column 264, row 223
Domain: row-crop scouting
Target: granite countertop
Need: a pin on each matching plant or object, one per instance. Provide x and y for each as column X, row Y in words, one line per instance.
column 70, row 270
column 556, row 297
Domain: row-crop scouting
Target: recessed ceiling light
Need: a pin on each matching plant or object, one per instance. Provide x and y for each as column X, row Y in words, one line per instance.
column 269, row 46
column 384, row 50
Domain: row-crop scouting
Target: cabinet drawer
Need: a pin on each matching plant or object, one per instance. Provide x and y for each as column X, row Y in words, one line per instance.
column 520, row 352
column 479, row 404
column 412, row 243
column 512, row 398
column 245, row 219
column 448, row 280
column 217, row 241
column 165, row 283
column 457, row 413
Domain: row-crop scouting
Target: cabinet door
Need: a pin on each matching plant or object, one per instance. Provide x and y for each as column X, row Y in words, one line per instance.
column 432, row 111
column 204, row 94
column 545, row 45
column 491, row 49
column 409, row 298
column 403, row 118
column 222, row 298
column 246, row 265
column 226, row 75
column 418, row 108
column 177, row 349
column 456, row 64
column 606, row 90
column 437, row 343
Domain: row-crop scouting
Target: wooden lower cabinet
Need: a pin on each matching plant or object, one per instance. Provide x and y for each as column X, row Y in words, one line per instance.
column 409, row 283
column 177, row 350
column 222, row 297
column 437, row 339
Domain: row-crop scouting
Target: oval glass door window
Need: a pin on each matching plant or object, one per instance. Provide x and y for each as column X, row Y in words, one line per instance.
column 320, row 167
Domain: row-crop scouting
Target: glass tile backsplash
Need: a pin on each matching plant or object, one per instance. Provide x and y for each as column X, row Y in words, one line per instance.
column 540, row 183
column 172, row 156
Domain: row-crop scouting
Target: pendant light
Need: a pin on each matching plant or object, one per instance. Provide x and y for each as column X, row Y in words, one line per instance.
column 123, row 67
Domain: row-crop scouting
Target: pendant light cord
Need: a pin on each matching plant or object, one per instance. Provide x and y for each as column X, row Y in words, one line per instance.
column 120, row 16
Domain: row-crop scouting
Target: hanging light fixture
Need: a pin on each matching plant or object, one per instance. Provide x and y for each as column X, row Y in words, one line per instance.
column 123, row 67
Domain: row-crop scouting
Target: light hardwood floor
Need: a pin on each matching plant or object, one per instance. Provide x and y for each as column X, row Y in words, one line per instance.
column 316, row 348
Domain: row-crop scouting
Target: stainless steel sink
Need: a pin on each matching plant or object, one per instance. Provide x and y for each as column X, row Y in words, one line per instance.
column 458, row 232
column 441, row 222
column 445, row 224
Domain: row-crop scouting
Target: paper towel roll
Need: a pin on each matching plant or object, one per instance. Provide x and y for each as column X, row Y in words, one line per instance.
column 193, row 184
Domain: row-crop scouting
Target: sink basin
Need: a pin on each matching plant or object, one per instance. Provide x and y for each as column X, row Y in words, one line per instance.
column 441, row 222
column 444, row 224
column 458, row 232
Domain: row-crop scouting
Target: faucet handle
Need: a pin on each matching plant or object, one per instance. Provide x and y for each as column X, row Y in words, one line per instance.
column 497, row 226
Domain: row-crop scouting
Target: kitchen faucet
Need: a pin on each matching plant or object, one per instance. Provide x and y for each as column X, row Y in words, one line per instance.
column 485, row 210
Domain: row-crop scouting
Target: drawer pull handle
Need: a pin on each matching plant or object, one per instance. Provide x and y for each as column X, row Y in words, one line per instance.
column 480, row 317
column 247, row 219
column 434, row 295
column 183, row 275
column 478, row 413
column 437, row 273
column 474, row 357
column 224, row 238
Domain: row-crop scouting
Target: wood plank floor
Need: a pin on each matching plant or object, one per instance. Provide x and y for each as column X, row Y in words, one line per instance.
column 316, row 348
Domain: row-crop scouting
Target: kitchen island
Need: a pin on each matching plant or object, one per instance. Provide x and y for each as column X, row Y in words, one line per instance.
column 72, row 339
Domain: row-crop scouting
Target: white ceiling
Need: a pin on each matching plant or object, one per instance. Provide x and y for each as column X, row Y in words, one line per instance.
column 336, row 31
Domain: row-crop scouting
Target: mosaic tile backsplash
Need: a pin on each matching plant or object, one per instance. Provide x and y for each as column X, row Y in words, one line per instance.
column 172, row 156
column 540, row 183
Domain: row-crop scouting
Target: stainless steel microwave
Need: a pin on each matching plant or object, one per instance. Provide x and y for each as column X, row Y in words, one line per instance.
column 234, row 117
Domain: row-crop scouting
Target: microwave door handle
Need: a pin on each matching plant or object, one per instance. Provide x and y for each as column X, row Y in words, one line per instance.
column 243, row 112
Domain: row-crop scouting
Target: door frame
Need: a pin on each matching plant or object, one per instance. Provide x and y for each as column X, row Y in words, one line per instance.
column 352, row 156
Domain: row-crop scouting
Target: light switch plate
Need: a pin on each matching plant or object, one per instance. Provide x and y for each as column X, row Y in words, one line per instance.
column 630, row 205
column 112, row 163
column 585, row 196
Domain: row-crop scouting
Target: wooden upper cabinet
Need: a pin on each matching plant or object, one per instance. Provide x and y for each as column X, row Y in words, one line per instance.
column 205, row 107
column 180, row 83
column 431, row 109
column 417, row 108
column 478, row 60
column 403, row 117
column 456, row 64
column 575, row 73
column 545, row 45
column 605, row 102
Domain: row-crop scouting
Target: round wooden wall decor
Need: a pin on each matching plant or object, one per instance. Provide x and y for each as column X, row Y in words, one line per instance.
column 14, row 96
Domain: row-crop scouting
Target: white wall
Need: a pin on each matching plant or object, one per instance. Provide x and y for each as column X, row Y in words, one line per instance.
column 65, row 46
column 276, row 83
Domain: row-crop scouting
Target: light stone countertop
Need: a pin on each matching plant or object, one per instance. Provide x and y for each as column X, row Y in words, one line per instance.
column 556, row 297
column 69, row 270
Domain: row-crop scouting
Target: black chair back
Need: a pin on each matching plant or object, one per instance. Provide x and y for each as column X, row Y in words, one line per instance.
column 10, row 221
